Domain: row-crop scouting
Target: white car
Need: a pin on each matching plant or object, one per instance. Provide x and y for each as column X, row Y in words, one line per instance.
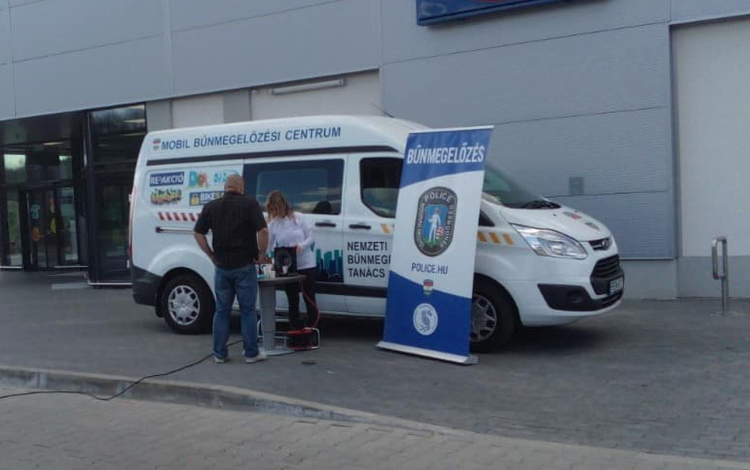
column 537, row 262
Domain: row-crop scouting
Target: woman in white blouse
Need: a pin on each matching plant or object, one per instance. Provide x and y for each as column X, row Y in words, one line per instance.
column 286, row 229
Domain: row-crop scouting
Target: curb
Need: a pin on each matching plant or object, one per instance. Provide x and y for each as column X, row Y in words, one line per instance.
column 190, row 393
column 245, row 400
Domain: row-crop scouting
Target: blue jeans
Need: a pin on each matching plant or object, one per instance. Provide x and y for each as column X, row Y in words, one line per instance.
column 242, row 282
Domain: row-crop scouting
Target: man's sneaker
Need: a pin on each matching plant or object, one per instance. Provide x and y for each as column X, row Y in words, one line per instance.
column 220, row 360
column 260, row 357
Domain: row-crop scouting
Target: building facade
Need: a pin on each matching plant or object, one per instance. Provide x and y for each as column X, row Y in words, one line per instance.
column 630, row 110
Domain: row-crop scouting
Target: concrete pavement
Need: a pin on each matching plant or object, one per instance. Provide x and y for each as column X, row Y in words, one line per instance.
column 65, row 432
column 656, row 377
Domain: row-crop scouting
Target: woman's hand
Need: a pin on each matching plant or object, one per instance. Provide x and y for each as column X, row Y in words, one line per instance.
column 299, row 249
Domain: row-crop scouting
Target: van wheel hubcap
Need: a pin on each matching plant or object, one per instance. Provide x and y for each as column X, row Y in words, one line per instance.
column 483, row 318
column 184, row 305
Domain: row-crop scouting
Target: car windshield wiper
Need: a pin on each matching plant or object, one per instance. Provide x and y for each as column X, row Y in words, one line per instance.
column 540, row 204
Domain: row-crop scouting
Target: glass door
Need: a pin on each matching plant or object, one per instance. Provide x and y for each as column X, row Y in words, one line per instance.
column 112, row 194
column 43, row 235
column 40, row 227
column 67, row 230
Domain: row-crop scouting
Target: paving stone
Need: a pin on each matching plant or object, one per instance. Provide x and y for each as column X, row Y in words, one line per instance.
column 656, row 376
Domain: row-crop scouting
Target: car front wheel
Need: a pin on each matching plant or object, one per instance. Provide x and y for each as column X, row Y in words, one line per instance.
column 493, row 317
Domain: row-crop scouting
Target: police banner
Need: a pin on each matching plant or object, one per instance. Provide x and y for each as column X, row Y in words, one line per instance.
column 428, row 309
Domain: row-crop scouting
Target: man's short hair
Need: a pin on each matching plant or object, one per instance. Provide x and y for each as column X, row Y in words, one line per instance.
column 234, row 182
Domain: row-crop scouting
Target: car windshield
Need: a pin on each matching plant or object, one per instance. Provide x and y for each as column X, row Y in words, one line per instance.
column 507, row 191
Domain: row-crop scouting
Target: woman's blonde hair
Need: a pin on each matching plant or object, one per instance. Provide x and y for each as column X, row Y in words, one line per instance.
column 276, row 201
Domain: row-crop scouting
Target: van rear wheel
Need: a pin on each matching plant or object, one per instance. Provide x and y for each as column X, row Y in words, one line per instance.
column 187, row 304
column 493, row 316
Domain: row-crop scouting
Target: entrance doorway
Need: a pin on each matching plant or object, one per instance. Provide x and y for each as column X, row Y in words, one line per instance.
column 48, row 235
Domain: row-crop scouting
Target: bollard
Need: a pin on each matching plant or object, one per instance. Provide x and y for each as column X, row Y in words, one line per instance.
column 724, row 274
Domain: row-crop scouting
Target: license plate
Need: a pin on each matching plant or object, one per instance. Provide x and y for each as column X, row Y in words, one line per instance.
column 616, row 285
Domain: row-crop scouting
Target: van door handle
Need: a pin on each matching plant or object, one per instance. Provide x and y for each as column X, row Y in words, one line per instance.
column 325, row 224
column 360, row 226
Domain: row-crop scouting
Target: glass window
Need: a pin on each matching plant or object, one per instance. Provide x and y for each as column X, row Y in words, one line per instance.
column 66, row 167
column 50, row 161
column 380, row 179
column 14, row 229
column 119, row 120
column 15, row 168
column 67, row 209
column 507, row 191
column 117, row 134
column 484, row 221
column 111, row 197
column 310, row 186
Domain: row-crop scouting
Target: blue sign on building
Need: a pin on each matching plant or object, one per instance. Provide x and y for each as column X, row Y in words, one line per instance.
column 436, row 11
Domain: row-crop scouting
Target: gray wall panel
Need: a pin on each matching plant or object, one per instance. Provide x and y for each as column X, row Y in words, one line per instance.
column 104, row 76
column 696, row 277
column 403, row 39
column 6, row 93
column 159, row 115
column 687, row 10
column 237, row 106
column 614, row 153
column 187, row 14
column 24, row 2
column 52, row 27
column 4, row 36
column 650, row 279
column 595, row 73
column 293, row 45
column 642, row 223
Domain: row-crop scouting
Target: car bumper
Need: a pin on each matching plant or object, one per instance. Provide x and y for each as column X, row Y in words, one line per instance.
column 145, row 286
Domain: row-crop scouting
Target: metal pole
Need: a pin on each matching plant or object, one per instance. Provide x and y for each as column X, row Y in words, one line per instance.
column 724, row 274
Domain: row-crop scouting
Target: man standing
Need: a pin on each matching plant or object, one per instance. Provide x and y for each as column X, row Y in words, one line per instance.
column 234, row 221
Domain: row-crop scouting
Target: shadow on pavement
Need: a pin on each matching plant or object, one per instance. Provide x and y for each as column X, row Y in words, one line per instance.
column 545, row 340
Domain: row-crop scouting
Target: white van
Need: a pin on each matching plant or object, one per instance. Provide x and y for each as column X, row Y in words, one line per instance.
column 537, row 262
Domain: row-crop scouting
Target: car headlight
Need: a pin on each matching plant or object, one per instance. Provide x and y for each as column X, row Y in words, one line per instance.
column 551, row 243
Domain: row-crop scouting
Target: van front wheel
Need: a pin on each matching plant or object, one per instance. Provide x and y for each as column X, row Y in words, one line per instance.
column 187, row 304
column 493, row 316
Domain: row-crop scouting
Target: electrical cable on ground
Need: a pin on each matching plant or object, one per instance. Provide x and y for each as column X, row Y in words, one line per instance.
column 129, row 387
column 163, row 374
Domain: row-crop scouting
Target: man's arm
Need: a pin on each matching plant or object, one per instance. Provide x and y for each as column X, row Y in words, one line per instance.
column 202, row 226
column 203, row 243
column 262, row 243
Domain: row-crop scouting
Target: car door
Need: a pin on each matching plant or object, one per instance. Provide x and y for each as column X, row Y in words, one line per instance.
column 369, row 215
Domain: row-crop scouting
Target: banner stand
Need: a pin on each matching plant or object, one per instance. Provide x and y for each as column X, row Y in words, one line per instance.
column 430, row 281
column 469, row 360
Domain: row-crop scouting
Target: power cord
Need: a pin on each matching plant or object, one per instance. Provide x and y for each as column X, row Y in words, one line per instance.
column 76, row 392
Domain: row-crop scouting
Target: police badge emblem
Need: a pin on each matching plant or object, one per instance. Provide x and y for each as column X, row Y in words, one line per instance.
column 436, row 216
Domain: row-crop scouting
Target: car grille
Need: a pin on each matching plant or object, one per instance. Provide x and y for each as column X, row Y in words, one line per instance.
column 602, row 244
column 607, row 267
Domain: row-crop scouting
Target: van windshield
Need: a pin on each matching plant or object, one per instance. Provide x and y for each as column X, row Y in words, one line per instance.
column 510, row 193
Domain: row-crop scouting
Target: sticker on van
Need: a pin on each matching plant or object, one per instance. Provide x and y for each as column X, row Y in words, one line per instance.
column 202, row 198
column 174, row 178
column 160, row 197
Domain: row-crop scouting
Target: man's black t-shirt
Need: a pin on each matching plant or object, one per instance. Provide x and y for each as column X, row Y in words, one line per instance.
column 234, row 220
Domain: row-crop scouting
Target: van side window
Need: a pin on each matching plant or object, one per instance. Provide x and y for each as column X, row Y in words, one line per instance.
column 380, row 179
column 485, row 221
column 312, row 186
